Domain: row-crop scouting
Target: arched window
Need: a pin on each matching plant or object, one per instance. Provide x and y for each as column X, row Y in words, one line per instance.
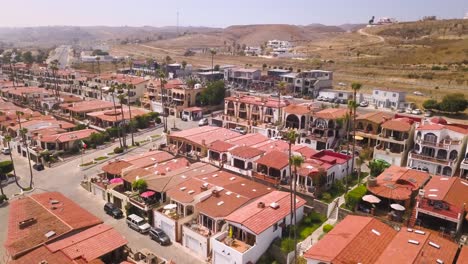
column 249, row 166
column 447, row 171
column 453, row 155
column 430, row 137
column 442, row 154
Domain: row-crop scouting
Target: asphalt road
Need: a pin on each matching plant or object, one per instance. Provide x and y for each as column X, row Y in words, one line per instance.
column 66, row 178
column 61, row 54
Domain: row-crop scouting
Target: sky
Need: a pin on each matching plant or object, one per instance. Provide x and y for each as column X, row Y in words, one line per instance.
column 218, row 13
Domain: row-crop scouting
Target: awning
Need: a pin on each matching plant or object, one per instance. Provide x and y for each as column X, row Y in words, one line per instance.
column 147, row 194
column 397, row 207
column 371, row 198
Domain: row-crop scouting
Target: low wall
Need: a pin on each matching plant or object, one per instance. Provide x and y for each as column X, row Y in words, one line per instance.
column 320, row 207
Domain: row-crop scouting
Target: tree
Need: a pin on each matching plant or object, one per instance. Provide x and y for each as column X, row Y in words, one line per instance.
column 356, row 87
column 28, row 58
column 377, row 166
column 361, row 159
column 281, row 88
column 184, row 64
column 54, row 67
column 5, row 168
column 454, row 103
column 112, row 91
column 98, row 59
column 191, row 82
column 295, row 161
column 130, row 86
column 213, row 53
column 140, row 185
column 431, row 104
column 291, row 138
column 213, row 94
column 122, row 123
column 217, row 67
column 162, row 80
column 8, row 140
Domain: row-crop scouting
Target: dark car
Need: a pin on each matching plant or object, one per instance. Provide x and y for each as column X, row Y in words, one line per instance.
column 112, row 210
column 159, row 236
column 38, row 166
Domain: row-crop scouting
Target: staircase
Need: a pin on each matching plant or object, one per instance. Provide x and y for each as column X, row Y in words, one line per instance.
column 412, row 220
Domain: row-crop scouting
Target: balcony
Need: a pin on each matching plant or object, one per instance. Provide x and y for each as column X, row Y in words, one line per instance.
column 439, row 209
column 389, row 137
column 413, row 155
column 236, row 244
column 445, row 144
column 199, row 229
column 266, row 178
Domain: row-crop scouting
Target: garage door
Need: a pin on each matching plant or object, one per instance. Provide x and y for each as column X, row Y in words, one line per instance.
column 193, row 244
column 221, row 259
column 99, row 193
column 168, row 229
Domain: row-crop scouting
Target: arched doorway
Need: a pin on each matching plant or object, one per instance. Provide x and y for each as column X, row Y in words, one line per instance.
column 292, row 121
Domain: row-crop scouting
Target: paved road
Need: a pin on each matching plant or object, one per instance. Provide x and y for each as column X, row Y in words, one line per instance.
column 66, row 178
column 61, row 54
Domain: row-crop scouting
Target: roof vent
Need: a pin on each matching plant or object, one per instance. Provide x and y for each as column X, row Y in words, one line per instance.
column 215, row 175
column 439, row 261
column 376, row 232
column 28, row 222
column 409, row 230
column 52, row 201
column 183, row 188
column 228, row 193
column 191, row 192
column 419, row 232
column 261, row 205
column 204, row 178
column 432, row 195
column 220, row 203
column 232, row 178
column 43, row 262
column 434, row 244
column 411, row 241
column 49, row 234
column 274, row 205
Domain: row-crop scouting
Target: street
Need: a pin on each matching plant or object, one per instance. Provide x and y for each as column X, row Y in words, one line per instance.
column 66, row 178
column 61, row 54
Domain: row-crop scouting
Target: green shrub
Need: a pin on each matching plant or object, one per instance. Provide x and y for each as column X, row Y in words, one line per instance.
column 327, row 228
column 316, row 217
column 327, row 197
column 100, row 158
column 354, row 197
column 287, row 245
column 3, row 198
column 118, row 150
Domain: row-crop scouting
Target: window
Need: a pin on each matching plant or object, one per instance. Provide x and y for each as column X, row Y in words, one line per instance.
column 340, row 94
column 376, row 92
column 275, row 227
column 394, row 95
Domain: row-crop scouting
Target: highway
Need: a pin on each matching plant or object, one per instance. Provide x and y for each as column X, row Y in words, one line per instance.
column 61, row 54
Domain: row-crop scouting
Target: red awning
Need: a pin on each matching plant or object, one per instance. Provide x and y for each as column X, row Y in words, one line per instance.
column 147, row 194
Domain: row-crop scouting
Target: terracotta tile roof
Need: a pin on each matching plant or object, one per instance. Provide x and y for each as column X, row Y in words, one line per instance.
column 274, row 159
column 66, row 216
column 258, row 219
column 331, row 157
column 137, row 161
column 353, row 241
column 116, row 167
column 401, row 251
column 452, row 190
column 205, row 134
column 248, row 139
column 42, row 253
column 399, row 183
column 90, row 244
column 270, row 145
column 260, row 101
column 157, row 169
column 116, row 116
column 463, row 257
column 87, row 106
column 331, row 113
column 297, row 109
column 305, row 151
column 375, row 117
column 246, row 152
column 68, row 136
column 399, row 124
column 193, row 109
column 220, row 146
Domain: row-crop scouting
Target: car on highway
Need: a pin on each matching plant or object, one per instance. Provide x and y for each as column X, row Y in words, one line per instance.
column 203, row 122
column 6, row 151
column 137, row 223
column 342, row 84
column 38, row 166
column 418, row 93
column 158, row 235
column 416, row 112
column 113, row 210
column 364, row 104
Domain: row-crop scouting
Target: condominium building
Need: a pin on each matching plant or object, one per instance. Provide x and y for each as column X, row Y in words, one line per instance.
column 394, row 141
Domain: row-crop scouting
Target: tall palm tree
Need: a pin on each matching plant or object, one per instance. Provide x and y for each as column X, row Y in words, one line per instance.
column 8, row 140
column 281, row 87
column 347, row 121
column 23, row 133
column 213, row 53
column 112, row 91
column 54, row 67
column 291, row 137
column 297, row 162
column 130, row 86
column 98, row 59
column 121, row 99
column 162, row 80
column 356, row 87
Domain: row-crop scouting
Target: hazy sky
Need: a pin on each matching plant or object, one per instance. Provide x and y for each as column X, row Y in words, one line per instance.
column 218, row 13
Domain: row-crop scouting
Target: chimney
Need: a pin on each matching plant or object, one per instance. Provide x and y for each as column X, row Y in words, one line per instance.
column 261, row 205
column 203, row 142
column 60, row 126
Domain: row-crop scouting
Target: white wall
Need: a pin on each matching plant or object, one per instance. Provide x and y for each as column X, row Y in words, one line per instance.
column 165, row 223
column 188, row 234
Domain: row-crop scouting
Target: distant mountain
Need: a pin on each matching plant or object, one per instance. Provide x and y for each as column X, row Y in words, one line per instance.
column 352, row 27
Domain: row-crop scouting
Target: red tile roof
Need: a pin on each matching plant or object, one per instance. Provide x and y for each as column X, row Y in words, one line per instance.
column 157, row 169
column 398, row 183
column 331, row 157
column 220, row 146
column 375, row 117
column 137, row 161
column 399, row 124
column 297, row 109
column 260, row 101
column 331, row 113
column 116, row 115
column 87, row 106
column 90, row 244
column 356, row 239
column 205, row 135
column 61, row 218
column 257, row 219
column 305, row 151
column 274, row 159
column 452, row 190
column 68, row 136
column 463, row 257
column 246, row 152
column 43, row 254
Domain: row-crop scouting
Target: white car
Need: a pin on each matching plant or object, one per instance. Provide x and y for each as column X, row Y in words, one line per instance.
column 416, row 112
column 203, row 122
column 342, row 84
column 320, row 98
column 418, row 93
column 287, row 97
column 364, row 104
column 6, row 151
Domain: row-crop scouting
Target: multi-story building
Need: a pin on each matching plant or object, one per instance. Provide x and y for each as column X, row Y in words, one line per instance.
column 439, row 147
column 384, row 98
column 326, row 127
column 242, row 76
column 394, row 141
column 368, row 126
column 464, row 166
column 279, row 44
column 309, row 82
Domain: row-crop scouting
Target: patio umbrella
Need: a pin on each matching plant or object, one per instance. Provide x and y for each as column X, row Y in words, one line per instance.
column 147, row 194
column 371, row 199
column 170, row 206
column 116, row 180
column 397, row 207
column 358, row 138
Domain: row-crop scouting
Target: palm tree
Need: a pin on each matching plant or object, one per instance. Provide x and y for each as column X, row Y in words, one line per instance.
column 296, row 161
column 162, row 79
column 291, row 137
column 213, row 53
column 356, row 87
column 23, row 132
column 112, row 91
column 124, row 139
column 281, row 87
column 347, row 121
column 98, row 59
column 130, row 86
column 8, row 140
column 54, row 67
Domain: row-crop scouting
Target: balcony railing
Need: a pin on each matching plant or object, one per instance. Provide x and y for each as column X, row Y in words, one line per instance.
column 442, row 144
column 436, row 209
column 266, row 178
column 430, row 159
column 200, row 229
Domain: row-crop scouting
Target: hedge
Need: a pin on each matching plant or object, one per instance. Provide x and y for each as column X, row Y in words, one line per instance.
column 354, row 197
column 327, row 228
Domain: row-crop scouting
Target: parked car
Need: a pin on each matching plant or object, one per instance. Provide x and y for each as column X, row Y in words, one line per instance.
column 6, row 151
column 408, row 110
column 342, row 84
column 239, row 130
column 400, row 110
column 137, row 223
column 418, row 93
column 184, row 118
column 113, row 210
column 38, row 166
column 343, row 101
column 428, row 113
column 320, row 98
column 288, row 97
column 364, row 104
column 203, row 122
column 274, row 95
column 416, row 112
column 159, row 236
